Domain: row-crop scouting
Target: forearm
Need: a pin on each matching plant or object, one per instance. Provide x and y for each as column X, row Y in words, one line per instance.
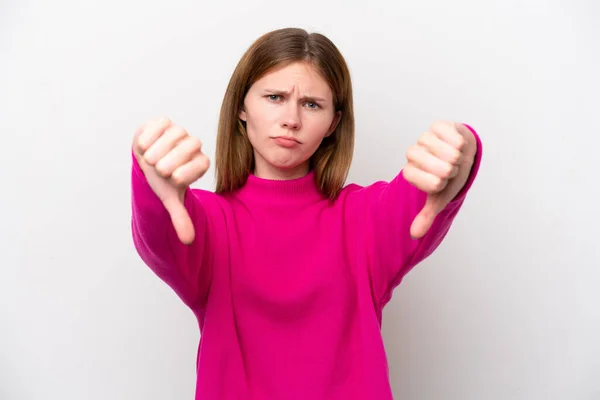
column 181, row 266
column 394, row 207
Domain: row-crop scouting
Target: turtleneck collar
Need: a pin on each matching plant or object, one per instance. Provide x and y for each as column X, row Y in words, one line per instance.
column 299, row 190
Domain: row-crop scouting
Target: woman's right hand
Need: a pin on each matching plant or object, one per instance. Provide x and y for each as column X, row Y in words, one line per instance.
column 171, row 161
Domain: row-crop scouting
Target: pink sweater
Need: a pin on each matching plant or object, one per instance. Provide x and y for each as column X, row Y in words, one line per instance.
column 288, row 288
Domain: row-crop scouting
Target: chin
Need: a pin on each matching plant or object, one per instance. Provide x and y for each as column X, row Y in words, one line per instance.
column 286, row 165
column 286, row 162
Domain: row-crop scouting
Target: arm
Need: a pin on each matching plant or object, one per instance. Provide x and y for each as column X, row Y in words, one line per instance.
column 185, row 268
column 391, row 210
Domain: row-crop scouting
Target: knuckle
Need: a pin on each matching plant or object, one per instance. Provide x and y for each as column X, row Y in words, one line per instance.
column 460, row 141
column 176, row 131
column 456, row 157
column 437, row 183
column 162, row 169
column 204, row 164
column 412, row 152
column 196, row 143
column 428, row 213
column 448, row 170
column 407, row 173
column 140, row 144
column 178, row 178
column 454, row 171
column 149, row 160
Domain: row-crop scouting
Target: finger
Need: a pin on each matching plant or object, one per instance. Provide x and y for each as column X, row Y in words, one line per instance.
column 183, row 152
column 440, row 148
column 164, row 144
column 181, row 220
column 188, row 173
column 425, row 218
column 423, row 180
column 150, row 132
column 468, row 151
column 428, row 162
column 447, row 132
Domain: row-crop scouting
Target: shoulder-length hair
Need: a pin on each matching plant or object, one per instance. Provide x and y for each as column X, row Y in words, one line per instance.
column 234, row 154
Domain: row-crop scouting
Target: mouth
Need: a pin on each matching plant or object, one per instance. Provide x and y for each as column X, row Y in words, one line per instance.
column 290, row 138
column 286, row 141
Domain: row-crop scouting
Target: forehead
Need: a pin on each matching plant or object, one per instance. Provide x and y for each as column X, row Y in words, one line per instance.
column 296, row 75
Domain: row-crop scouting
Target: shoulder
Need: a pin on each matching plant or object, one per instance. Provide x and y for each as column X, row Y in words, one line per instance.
column 357, row 190
column 210, row 200
column 356, row 194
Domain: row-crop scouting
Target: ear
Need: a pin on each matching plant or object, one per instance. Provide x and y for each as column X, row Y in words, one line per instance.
column 336, row 120
column 242, row 115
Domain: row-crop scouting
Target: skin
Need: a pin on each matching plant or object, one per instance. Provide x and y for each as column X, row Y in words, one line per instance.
column 439, row 164
column 292, row 102
column 295, row 102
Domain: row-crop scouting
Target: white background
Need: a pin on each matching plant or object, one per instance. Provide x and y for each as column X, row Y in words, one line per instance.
column 507, row 308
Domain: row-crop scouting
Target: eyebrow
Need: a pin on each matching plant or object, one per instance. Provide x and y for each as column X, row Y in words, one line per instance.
column 305, row 98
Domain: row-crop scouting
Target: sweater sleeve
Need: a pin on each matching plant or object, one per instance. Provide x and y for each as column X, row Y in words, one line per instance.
column 390, row 210
column 185, row 268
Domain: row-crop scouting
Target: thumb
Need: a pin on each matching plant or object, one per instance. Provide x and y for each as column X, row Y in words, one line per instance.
column 181, row 219
column 424, row 219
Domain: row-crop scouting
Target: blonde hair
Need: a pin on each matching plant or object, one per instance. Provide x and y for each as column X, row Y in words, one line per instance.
column 234, row 159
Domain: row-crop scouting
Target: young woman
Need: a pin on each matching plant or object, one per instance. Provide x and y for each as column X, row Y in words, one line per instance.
column 287, row 269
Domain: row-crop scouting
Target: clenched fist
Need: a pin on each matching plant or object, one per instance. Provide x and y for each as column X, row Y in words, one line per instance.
column 439, row 164
column 171, row 161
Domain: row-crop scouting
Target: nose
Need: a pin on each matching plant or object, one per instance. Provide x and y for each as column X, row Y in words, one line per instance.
column 291, row 117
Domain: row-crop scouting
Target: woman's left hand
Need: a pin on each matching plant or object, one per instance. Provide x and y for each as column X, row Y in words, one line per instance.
column 439, row 164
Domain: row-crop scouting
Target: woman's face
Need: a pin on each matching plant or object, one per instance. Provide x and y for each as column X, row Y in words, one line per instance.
column 288, row 112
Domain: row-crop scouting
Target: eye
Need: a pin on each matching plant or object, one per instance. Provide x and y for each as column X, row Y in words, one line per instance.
column 274, row 97
column 312, row 105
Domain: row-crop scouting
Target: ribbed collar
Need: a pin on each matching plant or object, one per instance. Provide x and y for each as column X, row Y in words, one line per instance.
column 300, row 190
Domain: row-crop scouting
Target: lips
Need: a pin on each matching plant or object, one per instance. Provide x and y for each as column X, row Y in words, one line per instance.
column 286, row 141
column 287, row 138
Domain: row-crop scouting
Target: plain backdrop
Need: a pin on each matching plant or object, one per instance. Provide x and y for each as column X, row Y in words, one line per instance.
column 507, row 308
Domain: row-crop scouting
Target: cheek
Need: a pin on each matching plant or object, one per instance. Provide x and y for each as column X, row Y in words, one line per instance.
column 319, row 125
column 260, row 121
